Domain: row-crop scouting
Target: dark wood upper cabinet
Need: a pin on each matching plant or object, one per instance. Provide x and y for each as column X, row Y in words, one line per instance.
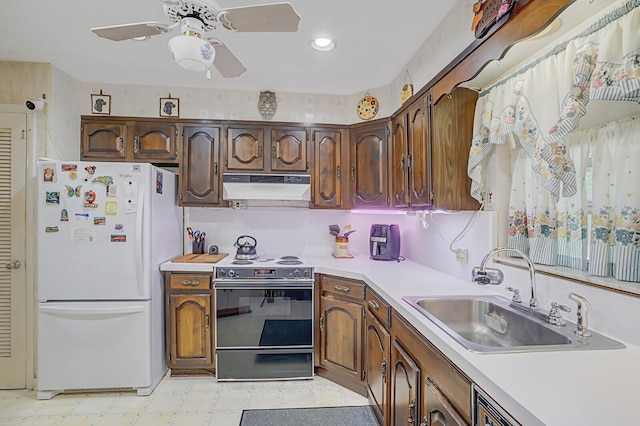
column 410, row 156
column 452, row 123
column 128, row 139
column 102, row 140
column 369, row 165
column 245, row 149
column 199, row 170
column 155, row 141
column 327, row 166
column 289, row 150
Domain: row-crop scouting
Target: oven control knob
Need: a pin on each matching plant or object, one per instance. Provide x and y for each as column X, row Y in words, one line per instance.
column 296, row 273
column 221, row 273
column 307, row 273
column 231, row 273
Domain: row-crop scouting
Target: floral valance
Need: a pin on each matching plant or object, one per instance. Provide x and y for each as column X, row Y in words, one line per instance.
column 544, row 101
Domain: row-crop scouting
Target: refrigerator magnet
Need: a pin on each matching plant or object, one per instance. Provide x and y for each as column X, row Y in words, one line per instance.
column 118, row 238
column 64, row 215
column 90, row 197
column 99, row 220
column 90, row 169
column 159, row 182
column 50, row 229
column 69, row 167
column 118, row 227
column 112, row 190
column 73, row 192
column 52, row 198
column 105, row 180
column 111, row 207
column 82, row 216
column 48, row 174
column 73, row 175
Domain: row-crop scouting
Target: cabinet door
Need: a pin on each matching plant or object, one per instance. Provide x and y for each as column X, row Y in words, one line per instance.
column 190, row 330
column 341, row 337
column 327, row 169
column 155, row 141
column 199, row 177
column 419, row 148
column 289, row 150
column 452, row 120
column 369, row 166
column 399, row 164
column 438, row 410
column 377, row 357
column 104, row 140
column 245, row 149
column 405, row 379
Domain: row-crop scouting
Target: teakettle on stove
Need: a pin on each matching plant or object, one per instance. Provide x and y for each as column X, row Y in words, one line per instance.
column 246, row 250
column 384, row 242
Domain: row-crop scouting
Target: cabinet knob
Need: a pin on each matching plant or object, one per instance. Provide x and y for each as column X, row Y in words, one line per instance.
column 342, row 288
column 374, row 304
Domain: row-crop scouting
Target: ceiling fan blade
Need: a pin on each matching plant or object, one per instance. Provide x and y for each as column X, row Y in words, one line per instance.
column 225, row 61
column 276, row 17
column 129, row 31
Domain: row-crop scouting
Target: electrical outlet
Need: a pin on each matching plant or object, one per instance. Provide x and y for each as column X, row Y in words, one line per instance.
column 239, row 204
column 462, row 255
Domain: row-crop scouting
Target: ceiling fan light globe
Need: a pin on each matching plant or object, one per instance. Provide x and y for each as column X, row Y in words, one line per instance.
column 191, row 53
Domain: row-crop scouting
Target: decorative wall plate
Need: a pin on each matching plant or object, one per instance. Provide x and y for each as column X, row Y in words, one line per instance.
column 367, row 107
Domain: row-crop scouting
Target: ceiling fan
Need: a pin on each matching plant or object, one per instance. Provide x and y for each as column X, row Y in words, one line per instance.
column 193, row 50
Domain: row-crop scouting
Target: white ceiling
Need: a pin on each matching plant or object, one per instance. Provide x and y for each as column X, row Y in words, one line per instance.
column 375, row 40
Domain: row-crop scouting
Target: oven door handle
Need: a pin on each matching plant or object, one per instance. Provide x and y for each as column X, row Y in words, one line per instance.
column 263, row 284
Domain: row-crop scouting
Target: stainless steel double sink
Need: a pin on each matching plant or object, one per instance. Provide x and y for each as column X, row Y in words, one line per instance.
column 489, row 324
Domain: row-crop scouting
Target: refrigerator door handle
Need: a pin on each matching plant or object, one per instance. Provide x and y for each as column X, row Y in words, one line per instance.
column 77, row 311
column 139, row 254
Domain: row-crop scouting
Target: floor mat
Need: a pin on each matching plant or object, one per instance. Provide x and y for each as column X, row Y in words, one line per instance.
column 334, row 416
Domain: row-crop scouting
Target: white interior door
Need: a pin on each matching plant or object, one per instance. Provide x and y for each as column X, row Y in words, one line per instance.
column 13, row 148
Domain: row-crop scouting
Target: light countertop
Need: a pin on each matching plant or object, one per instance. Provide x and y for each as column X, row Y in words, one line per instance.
column 537, row 388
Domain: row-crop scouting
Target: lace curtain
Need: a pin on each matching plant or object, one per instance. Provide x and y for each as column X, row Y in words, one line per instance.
column 558, row 234
column 540, row 107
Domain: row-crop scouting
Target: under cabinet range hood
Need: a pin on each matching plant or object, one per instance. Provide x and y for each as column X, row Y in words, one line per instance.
column 250, row 189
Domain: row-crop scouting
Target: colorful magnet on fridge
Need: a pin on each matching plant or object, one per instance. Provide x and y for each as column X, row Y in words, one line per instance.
column 118, row 238
column 50, row 229
column 118, row 227
column 99, row 220
column 64, row 215
column 73, row 192
column 82, row 216
column 111, row 207
column 73, row 175
column 69, row 167
column 106, row 180
column 90, row 197
column 48, row 174
column 90, row 169
column 52, row 198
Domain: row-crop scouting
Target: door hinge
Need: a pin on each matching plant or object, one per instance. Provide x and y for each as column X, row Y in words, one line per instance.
column 321, row 323
column 384, row 370
column 412, row 412
column 364, row 375
column 313, row 137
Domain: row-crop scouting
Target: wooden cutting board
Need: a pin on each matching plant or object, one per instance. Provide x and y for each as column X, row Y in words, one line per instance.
column 200, row 258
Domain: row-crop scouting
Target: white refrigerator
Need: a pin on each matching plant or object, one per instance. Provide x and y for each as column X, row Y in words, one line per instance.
column 103, row 229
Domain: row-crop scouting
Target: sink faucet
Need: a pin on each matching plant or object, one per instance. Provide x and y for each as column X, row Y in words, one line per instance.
column 481, row 276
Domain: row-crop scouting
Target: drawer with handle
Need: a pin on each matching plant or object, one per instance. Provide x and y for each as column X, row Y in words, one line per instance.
column 190, row 282
column 342, row 287
column 378, row 307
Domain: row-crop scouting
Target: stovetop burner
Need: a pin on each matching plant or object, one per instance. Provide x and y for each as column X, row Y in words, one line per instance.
column 284, row 261
column 242, row 262
column 289, row 258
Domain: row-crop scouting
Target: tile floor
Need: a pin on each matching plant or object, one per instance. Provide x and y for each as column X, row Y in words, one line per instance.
column 176, row 401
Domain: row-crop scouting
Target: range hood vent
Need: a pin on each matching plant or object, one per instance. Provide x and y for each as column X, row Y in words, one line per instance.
column 266, row 190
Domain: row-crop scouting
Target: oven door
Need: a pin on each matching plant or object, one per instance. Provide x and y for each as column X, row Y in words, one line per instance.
column 264, row 314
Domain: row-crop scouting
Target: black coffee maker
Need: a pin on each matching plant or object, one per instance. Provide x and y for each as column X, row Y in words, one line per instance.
column 384, row 242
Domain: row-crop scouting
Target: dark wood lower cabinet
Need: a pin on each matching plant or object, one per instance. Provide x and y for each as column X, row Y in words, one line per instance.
column 189, row 323
column 405, row 382
column 377, row 364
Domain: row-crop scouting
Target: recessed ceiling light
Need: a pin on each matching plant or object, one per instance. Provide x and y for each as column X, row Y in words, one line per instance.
column 143, row 38
column 323, row 44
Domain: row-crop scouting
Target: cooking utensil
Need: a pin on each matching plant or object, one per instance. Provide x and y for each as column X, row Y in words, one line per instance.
column 246, row 250
column 334, row 230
